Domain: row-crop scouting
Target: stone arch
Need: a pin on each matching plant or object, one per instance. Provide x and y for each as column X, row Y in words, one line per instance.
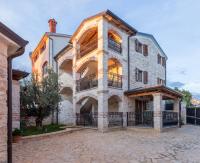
column 85, row 61
column 84, row 96
column 87, row 42
column 114, row 103
column 114, row 35
column 66, row 66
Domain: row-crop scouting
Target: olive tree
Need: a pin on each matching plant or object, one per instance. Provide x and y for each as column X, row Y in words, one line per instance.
column 40, row 98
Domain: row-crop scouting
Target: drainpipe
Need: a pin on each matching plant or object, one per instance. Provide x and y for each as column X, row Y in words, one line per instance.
column 129, row 61
column 19, row 52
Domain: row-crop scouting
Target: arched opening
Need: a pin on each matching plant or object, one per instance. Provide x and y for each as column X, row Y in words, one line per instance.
column 114, row 41
column 114, row 73
column 87, row 76
column 65, row 115
column 88, row 42
column 65, row 73
column 87, row 111
column 66, row 66
column 114, row 103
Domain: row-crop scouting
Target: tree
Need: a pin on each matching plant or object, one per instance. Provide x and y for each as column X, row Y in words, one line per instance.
column 187, row 96
column 40, row 98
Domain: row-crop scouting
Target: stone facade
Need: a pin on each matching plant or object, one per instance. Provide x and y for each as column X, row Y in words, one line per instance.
column 3, row 103
column 16, row 105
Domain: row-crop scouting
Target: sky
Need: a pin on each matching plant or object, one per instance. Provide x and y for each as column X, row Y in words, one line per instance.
column 174, row 23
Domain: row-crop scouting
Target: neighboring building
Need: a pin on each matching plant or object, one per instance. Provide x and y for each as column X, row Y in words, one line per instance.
column 11, row 45
column 109, row 73
column 17, row 76
column 50, row 44
column 195, row 102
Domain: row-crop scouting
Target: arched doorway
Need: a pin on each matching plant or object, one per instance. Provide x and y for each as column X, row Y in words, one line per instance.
column 87, row 112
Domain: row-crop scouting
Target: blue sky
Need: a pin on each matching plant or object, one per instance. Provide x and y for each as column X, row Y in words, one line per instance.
column 174, row 23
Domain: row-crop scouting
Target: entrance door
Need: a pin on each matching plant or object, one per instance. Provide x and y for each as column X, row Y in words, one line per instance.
column 140, row 107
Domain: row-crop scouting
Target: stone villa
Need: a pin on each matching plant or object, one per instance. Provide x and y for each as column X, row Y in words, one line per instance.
column 110, row 75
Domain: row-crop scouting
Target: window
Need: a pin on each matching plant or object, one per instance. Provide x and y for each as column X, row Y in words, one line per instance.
column 141, row 48
column 159, row 59
column 138, row 46
column 45, row 68
column 138, row 74
column 160, row 81
column 145, row 75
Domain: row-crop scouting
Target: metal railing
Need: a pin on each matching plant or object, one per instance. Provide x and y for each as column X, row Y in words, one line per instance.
column 114, row 80
column 115, row 119
column 145, row 118
column 193, row 116
column 170, row 118
column 87, row 119
column 112, row 44
column 85, row 49
column 87, row 82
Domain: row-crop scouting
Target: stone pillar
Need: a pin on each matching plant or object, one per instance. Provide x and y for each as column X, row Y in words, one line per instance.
column 183, row 113
column 158, row 108
column 103, row 111
column 16, row 105
column 177, row 108
column 123, row 107
column 3, row 103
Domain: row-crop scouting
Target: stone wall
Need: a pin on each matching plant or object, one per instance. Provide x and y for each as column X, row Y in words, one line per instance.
column 15, row 105
column 3, row 104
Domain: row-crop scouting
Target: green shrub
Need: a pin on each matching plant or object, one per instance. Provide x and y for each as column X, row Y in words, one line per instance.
column 16, row 132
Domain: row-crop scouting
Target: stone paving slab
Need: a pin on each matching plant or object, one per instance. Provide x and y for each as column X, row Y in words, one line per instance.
column 123, row 146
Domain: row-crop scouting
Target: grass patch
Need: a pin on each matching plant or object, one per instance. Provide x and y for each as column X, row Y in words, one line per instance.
column 45, row 129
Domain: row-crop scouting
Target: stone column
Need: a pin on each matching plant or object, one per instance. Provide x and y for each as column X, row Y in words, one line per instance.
column 3, row 103
column 177, row 108
column 183, row 113
column 103, row 111
column 123, row 107
column 102, row 76
column 158, row 108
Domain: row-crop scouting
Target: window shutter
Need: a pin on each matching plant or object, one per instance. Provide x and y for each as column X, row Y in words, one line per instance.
column 163, row 61
column 145, row 50
column 145, row 73
column 136, row 45
column 136, row 74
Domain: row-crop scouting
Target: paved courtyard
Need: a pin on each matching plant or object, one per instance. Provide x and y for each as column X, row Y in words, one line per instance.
column 90, row 146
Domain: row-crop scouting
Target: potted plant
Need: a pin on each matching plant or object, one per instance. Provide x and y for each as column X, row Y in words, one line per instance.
column 16, row 135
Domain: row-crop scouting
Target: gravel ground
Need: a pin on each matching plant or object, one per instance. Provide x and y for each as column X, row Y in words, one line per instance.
column 121, row 146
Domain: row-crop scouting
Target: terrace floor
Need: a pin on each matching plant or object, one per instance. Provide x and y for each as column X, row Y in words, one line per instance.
column 122, row 146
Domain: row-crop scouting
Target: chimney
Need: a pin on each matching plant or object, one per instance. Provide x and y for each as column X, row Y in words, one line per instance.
column 52, row 25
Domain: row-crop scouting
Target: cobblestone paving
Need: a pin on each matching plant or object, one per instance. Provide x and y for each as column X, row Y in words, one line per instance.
column 90, row 146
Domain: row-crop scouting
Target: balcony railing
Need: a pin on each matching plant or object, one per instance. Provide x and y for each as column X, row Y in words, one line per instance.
column 85, row 49
column 112, row 44
column 87, row 82
column 114, row 80
column 170, row 118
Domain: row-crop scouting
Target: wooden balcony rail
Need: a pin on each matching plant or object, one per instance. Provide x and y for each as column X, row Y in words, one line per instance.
column 170, row 118
column 114, row 80
column 85, row 49
column 87, row 82
column 112, row 44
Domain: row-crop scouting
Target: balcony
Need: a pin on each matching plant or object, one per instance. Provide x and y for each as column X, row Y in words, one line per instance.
column 114, row 80
column 112, row 44
column 87, row 48
column 88, row 82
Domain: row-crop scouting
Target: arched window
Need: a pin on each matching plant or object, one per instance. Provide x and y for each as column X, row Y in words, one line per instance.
column 44, row 68
column 114, row 41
